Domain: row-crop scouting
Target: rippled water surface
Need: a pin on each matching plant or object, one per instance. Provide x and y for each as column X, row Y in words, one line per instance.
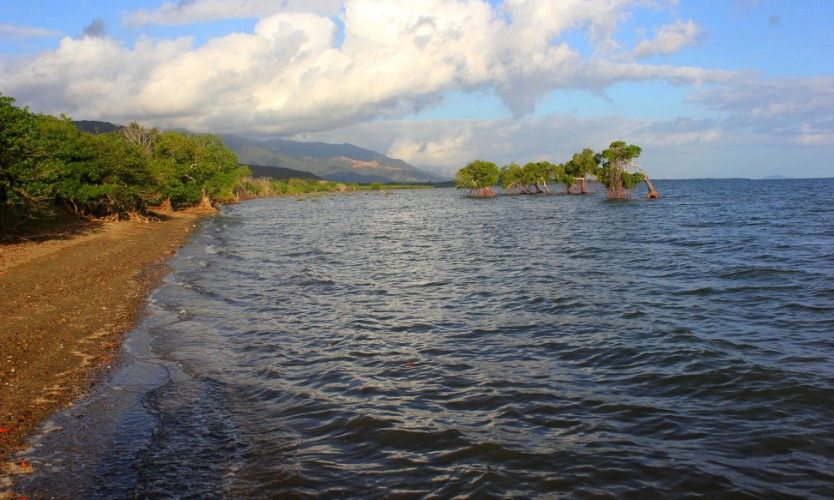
column 427, row 344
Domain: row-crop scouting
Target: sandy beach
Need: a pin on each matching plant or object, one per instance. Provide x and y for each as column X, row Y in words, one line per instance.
column 65, row 305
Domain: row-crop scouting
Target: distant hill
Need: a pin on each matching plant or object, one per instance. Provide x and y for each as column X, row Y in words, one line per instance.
column 339, row 162
column 95, row 127
column 280, row 172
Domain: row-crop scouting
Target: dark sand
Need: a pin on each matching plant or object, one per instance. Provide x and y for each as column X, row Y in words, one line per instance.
column 65, row 305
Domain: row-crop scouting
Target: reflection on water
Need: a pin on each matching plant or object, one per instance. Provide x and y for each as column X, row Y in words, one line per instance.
column 423, row 343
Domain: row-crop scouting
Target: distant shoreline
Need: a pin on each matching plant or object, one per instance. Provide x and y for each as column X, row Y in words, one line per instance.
column 749, row 179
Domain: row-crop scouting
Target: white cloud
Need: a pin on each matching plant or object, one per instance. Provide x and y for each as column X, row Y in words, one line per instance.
column 669, row 38
column 453, row 149
column 18, row 31
column 679, row 133
column 289, row 75
column 195, row 11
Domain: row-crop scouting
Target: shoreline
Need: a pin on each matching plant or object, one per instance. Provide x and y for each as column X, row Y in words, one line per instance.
column 65, row 307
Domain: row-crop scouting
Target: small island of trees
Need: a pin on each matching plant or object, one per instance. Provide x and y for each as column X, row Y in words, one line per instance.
column 614, row 168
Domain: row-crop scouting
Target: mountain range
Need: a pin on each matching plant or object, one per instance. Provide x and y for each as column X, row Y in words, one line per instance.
column 282, row 158
column 338, row 162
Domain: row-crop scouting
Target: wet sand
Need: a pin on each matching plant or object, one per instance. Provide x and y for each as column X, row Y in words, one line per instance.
column 65, row 305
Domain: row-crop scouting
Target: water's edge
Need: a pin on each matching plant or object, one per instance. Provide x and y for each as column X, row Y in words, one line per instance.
column 87, row 449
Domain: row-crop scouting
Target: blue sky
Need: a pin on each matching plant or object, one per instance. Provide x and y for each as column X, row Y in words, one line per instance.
column 709, row 88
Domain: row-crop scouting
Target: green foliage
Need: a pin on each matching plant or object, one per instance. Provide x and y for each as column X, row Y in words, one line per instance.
column 578, row 167
column 94, row 174
column 582, row 163
column 628, row 180
column 533, row 177
column 46, row 160
column 620, row 152
column 377, row 186
column 478, row 174
column 25, row 175
column 613, row 163
column 188, row 167
column 530, row 175
column 512, row 178
column 248, row 187
column 538, row 174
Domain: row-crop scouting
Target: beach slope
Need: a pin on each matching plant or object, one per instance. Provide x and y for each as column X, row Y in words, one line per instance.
column 65, row 305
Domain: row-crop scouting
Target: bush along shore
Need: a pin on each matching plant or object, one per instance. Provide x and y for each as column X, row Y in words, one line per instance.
column 48, row 168
column 615, row 168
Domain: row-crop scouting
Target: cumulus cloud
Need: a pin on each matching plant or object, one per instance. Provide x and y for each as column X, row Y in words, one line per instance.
column 195, row 11
column 669, row 38
column 18, row 31
column 453, row 149
column 290, row 75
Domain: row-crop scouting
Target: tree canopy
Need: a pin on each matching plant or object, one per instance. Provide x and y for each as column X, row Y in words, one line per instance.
column 580, row 166
column 532, row 178
column 25, row 173
column 478, row 177
column 612, row 171
column 47, row 161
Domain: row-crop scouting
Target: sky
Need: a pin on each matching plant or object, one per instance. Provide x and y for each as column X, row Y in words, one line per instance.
column 708, row 88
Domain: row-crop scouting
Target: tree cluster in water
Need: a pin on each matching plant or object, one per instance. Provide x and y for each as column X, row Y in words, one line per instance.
column 614, row 168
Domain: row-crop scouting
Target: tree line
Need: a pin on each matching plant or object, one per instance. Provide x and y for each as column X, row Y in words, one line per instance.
column 48, row 166
column 615, row 168
column 46, row 162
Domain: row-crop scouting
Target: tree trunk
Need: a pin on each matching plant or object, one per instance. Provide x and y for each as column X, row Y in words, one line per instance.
column 616, row 190
column 584, row 184
column 486, row 192
column 652, row 195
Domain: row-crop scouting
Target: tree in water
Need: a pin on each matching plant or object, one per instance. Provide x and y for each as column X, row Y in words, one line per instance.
column 536, row 175
column 532, row 178
column 478, row 177
column 579, row 166
column 652, row 194
column 512, row 179
column 613, row 170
